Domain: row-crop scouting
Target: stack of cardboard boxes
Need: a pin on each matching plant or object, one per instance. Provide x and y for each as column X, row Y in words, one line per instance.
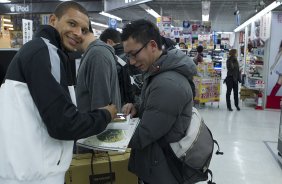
column 246, row 93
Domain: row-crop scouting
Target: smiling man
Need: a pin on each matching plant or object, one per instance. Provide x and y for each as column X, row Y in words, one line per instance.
column 38, row 118
column 166, row 100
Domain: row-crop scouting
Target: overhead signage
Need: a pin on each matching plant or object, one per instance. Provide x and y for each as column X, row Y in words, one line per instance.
column 39, row 7
column 265, row 23
column 112, row 23
column 117, row 4
column 19, row 8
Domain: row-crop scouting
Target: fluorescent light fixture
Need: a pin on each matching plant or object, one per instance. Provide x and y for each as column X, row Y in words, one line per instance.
column 205, row 18
column 99, row 24
column 6, row 20
column 8, row 25
column 224, row 32
column 11, row 29
column 141, row 2
column 153, row 13
column 205, row 10
column 118, row 29
column 110, row 15
column 267, row 9
column 5, row 1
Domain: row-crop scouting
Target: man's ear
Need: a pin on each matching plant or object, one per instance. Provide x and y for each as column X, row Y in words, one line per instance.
column 154, row 45
column 110, row 42
column 52, row 19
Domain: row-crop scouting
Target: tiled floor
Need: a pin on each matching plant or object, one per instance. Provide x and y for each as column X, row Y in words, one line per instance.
column 248, row 139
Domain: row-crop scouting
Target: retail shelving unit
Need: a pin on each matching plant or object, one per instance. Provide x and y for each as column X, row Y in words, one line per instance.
column 217, row 58
column 254, row 79
column 280, row 136
column 254, row 70
column 207, row 84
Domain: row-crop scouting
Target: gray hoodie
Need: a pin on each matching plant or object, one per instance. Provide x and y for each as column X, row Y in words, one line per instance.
column 165, row 113
column 97, row 80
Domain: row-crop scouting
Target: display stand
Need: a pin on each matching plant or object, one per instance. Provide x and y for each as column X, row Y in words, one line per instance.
column 207, row 90
column 207, row 84
column 253, row 82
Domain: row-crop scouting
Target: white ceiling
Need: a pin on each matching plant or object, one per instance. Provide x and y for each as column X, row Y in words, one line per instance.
column 221, row 11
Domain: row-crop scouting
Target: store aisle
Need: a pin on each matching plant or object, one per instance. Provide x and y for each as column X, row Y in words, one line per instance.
column 248, row 139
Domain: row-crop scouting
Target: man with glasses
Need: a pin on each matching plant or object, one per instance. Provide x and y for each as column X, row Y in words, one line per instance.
column 166, row 100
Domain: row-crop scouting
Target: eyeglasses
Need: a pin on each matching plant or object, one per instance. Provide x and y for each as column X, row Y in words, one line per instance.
column 130, row 56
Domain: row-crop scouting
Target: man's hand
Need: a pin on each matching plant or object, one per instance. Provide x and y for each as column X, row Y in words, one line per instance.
column 129, row 109
column 112, row 109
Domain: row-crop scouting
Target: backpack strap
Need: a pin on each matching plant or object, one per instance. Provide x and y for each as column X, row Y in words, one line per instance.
column 173, row 162
column 218, row 152
column 210, row 181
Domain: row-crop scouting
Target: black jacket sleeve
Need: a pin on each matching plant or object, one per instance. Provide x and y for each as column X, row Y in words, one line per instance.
column 60, row 115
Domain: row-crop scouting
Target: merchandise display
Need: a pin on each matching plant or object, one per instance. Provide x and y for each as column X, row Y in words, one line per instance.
column 246, row 93
column 254, row 70
column 207, row 89
column 217, row 59
column 207, row 83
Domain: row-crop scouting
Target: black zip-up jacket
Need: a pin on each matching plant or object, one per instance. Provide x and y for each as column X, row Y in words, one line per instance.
column 42, row 65
column 38, row 118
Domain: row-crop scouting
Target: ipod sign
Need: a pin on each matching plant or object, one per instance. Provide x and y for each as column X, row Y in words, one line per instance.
column 19, row 8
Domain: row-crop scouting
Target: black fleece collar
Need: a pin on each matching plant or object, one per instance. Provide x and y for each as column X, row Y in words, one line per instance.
column 50, row 33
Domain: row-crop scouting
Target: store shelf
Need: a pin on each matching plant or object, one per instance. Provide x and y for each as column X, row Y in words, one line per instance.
column 256, row 78
column 252, row 87
column 259, row 55
column 260, row 66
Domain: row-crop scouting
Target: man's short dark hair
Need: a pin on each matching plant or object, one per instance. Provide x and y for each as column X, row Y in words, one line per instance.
column 61, row 8
column 142, row 31
column 200, row 49
column 112, row 34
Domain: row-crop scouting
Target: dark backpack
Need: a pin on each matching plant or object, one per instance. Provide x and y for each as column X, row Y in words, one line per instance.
column 190, row 157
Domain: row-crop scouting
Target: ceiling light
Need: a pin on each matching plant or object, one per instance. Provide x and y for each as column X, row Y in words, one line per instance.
column 224, row 32
column 99, row 24
column 267, row 9
column 110, row 15
column 5, row 1
column 205, row 18
column 6, row 20
column 8, row 25
column 141, row 2
column 153, row 13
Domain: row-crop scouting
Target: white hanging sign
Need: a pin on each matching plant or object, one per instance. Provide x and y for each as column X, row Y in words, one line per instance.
column 265, row 26
column 27, row 30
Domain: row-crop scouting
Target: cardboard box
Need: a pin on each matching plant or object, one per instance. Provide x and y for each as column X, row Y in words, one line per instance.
column 80, row 169
column 247, row 93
